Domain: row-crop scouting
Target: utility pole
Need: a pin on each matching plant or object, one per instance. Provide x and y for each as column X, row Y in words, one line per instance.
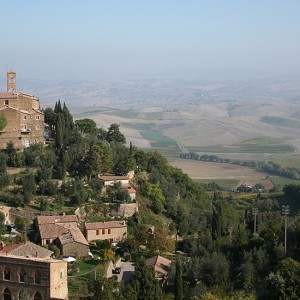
column 254, row 213
column 285, row 211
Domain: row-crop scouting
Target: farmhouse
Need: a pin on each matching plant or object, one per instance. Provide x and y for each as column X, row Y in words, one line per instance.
column 73, row 243
column 114, row 231
column 161, row 266
column 131, row 191
column 25, row 120
column 110, row 180
column 64, row 232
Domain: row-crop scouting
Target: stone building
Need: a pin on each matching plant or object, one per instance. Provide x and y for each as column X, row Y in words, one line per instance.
column 39, row 278
column 73, row 243
column 63, row 231
column 25, row 120
column 114, row 231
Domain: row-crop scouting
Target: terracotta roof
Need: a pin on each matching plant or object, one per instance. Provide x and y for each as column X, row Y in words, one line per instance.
column 73, row 235
column 130, row 189
column 42, row 220
column 113, row 178
column 27, row 250
column 161, row 265
column 104, row 225
column 52, row 231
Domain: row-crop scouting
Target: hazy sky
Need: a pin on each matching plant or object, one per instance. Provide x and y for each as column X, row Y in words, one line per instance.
column 95, row 38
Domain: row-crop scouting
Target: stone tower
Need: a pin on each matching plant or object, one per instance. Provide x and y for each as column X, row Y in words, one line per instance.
column 11, row 83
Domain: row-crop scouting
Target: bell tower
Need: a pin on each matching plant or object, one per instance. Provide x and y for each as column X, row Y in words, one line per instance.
column 11, row 82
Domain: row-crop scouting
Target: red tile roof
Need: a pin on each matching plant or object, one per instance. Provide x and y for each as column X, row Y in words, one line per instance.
column 27, row 249
column 52, row 231
column 42, row 220
column 161, row 264
column 105, row 225
column 73, row 235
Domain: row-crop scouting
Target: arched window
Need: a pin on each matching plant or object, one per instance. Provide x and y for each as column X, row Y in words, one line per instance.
column 37, row 296
column 6, row 274
column 22, row 275
column 37, row 278
column 7, row 294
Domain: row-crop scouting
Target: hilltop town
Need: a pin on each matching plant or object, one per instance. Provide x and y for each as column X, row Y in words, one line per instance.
column 86, row 214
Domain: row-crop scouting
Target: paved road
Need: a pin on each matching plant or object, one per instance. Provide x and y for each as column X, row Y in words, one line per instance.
column 127, row 269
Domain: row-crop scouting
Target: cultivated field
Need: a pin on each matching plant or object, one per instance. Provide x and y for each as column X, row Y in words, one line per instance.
column 254, row 120
column 214, row 171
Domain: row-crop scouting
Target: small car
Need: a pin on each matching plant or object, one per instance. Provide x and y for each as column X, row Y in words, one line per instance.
column 117, row 270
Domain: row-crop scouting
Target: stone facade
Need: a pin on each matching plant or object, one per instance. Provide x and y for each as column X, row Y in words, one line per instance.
column 114, row 231
column 25, row 120
column 41, row 279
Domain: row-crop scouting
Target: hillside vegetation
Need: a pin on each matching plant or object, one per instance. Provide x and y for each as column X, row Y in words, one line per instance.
column 231, row 244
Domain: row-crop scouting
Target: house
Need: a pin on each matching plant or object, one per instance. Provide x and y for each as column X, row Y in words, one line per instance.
column 110, row 180
column 5, row 210
column 73, row 243
column 114, row 231
column 51, row 227
column 39, row 278
column 25, row 120
column 161, row 266
column 131, row 191
column 63, row 231
column 26, row 249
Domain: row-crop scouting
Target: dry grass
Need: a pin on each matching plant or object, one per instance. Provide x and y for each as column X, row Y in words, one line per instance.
column 209, row 170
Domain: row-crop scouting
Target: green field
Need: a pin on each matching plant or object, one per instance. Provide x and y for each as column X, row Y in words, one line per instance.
column 158, row 140
column 151, row 115
column 283, row 122
column 281, row 182
column 255, row 145
column 292, row 161
column 127, row 114
column 139, row 126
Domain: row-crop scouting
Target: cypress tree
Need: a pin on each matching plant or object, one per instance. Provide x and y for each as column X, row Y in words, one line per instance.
column 178, row 281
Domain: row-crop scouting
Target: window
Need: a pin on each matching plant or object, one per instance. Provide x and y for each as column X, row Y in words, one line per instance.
column 22, row 276
column 98, row 231
column 37, row 117
column 37, row 296
column 109, row 231
column 37, row 278
column 7, row 294
column 6, row 274
column 24, row 117
column 61, row 275
column 27, row 143
column 47, row 242
column 103, row 231
column 6, row 102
